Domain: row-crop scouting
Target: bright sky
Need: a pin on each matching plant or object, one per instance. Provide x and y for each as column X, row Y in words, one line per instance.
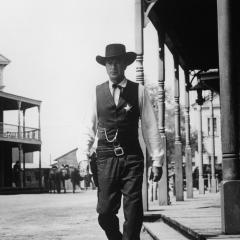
column 52, row 45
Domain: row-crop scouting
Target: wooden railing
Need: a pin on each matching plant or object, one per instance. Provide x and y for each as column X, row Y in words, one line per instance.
column 18, row 132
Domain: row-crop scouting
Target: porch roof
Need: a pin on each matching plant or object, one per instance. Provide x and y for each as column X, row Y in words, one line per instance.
column 10, row 101
column 191, row 31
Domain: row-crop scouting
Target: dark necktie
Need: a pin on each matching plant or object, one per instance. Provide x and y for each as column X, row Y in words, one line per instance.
column 115, row 85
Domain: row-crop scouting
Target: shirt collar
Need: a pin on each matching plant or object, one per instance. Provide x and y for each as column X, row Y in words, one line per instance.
column 123, row 83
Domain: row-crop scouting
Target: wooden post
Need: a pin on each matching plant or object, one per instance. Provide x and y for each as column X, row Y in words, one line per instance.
column 188, row 150
column 139, row 41
column 39, row 122
column 1, row 145
column 19, row 119
column 156, row 191
column 178, row 143
column 140, row 79
column 24, row 174
column 151, row 185
column 20, row 145
column 39, row 137
column 229, row 48
column 1, row 120
column 217, row 182
column 1, row 77
column 213, row 178
column 163, row 195
column 20, row 154
column 209, row 182
column 200, row 151
column 24, row 133
column 40, row 168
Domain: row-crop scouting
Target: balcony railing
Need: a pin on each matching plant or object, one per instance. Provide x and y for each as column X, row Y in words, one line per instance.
column 11, row 131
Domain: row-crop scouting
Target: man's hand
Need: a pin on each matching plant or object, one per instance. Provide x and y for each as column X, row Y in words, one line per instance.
column 83, row 168
column 156, row 173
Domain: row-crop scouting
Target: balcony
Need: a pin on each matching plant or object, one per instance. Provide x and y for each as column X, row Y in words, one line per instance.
column 12, row 132
column 13, row 135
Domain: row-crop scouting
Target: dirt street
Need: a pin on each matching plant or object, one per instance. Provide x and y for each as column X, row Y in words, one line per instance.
column 51, row 216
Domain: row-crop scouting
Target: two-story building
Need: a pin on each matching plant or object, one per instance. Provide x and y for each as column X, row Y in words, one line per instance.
column 18, row 136
column 206, row 130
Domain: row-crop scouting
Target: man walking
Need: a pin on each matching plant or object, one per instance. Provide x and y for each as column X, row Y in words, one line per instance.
column 117, row 106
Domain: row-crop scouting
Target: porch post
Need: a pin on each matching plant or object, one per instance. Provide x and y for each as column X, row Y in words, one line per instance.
column 1, row 120
column 40, row 168
column 228, row 47
column 163, row 197
column 139, row 41
column 178, row 144
column 19, row 119
column 200, row 151
column 39, row 122
column 24, row 161
column 20, row 155
column 40, row 155
column 140, row 79
column 188, row 150
column 213, row 177
column 24, row 134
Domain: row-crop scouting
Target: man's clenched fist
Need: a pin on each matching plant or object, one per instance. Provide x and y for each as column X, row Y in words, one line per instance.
column 156, row 173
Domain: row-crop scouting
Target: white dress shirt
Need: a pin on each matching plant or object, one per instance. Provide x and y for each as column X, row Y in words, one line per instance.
column 150, row 131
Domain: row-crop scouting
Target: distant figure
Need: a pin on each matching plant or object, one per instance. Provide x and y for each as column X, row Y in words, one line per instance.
column 52, row 179
column 16, row 174
column 62, row 174
column 75, row 177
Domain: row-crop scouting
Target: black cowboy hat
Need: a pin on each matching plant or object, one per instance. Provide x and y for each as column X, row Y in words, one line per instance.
column 117, row 50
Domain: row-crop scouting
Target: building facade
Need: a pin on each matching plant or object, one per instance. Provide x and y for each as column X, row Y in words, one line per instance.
column 25, row 139
column 206, row 131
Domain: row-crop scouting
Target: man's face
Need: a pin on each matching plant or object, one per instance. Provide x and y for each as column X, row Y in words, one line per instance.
column 115, row 69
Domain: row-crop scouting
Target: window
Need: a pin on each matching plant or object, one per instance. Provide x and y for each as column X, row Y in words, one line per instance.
column 214, row 126
column 29, row 178
column 37, row 176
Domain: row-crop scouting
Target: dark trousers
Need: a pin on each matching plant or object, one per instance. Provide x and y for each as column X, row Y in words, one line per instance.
column 117, row 177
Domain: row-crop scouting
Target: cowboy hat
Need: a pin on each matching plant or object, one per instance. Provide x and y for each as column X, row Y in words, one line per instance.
column 117, row 50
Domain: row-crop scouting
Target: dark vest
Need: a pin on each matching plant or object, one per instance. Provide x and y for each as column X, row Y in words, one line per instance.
column 123, row 118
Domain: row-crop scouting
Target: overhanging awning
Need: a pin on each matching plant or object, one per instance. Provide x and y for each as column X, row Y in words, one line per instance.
column 191, row 31
column 10, row 101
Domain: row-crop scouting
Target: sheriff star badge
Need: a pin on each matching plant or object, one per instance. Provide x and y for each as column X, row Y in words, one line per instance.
column 128, row 107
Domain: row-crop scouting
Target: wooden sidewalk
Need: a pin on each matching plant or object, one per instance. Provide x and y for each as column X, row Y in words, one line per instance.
column 197, row 218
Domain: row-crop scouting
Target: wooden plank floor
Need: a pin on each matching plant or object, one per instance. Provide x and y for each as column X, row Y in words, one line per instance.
column 160, row 230
column 200, row 215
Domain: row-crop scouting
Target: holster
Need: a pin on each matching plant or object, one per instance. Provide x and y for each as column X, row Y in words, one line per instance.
column 93, row 166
